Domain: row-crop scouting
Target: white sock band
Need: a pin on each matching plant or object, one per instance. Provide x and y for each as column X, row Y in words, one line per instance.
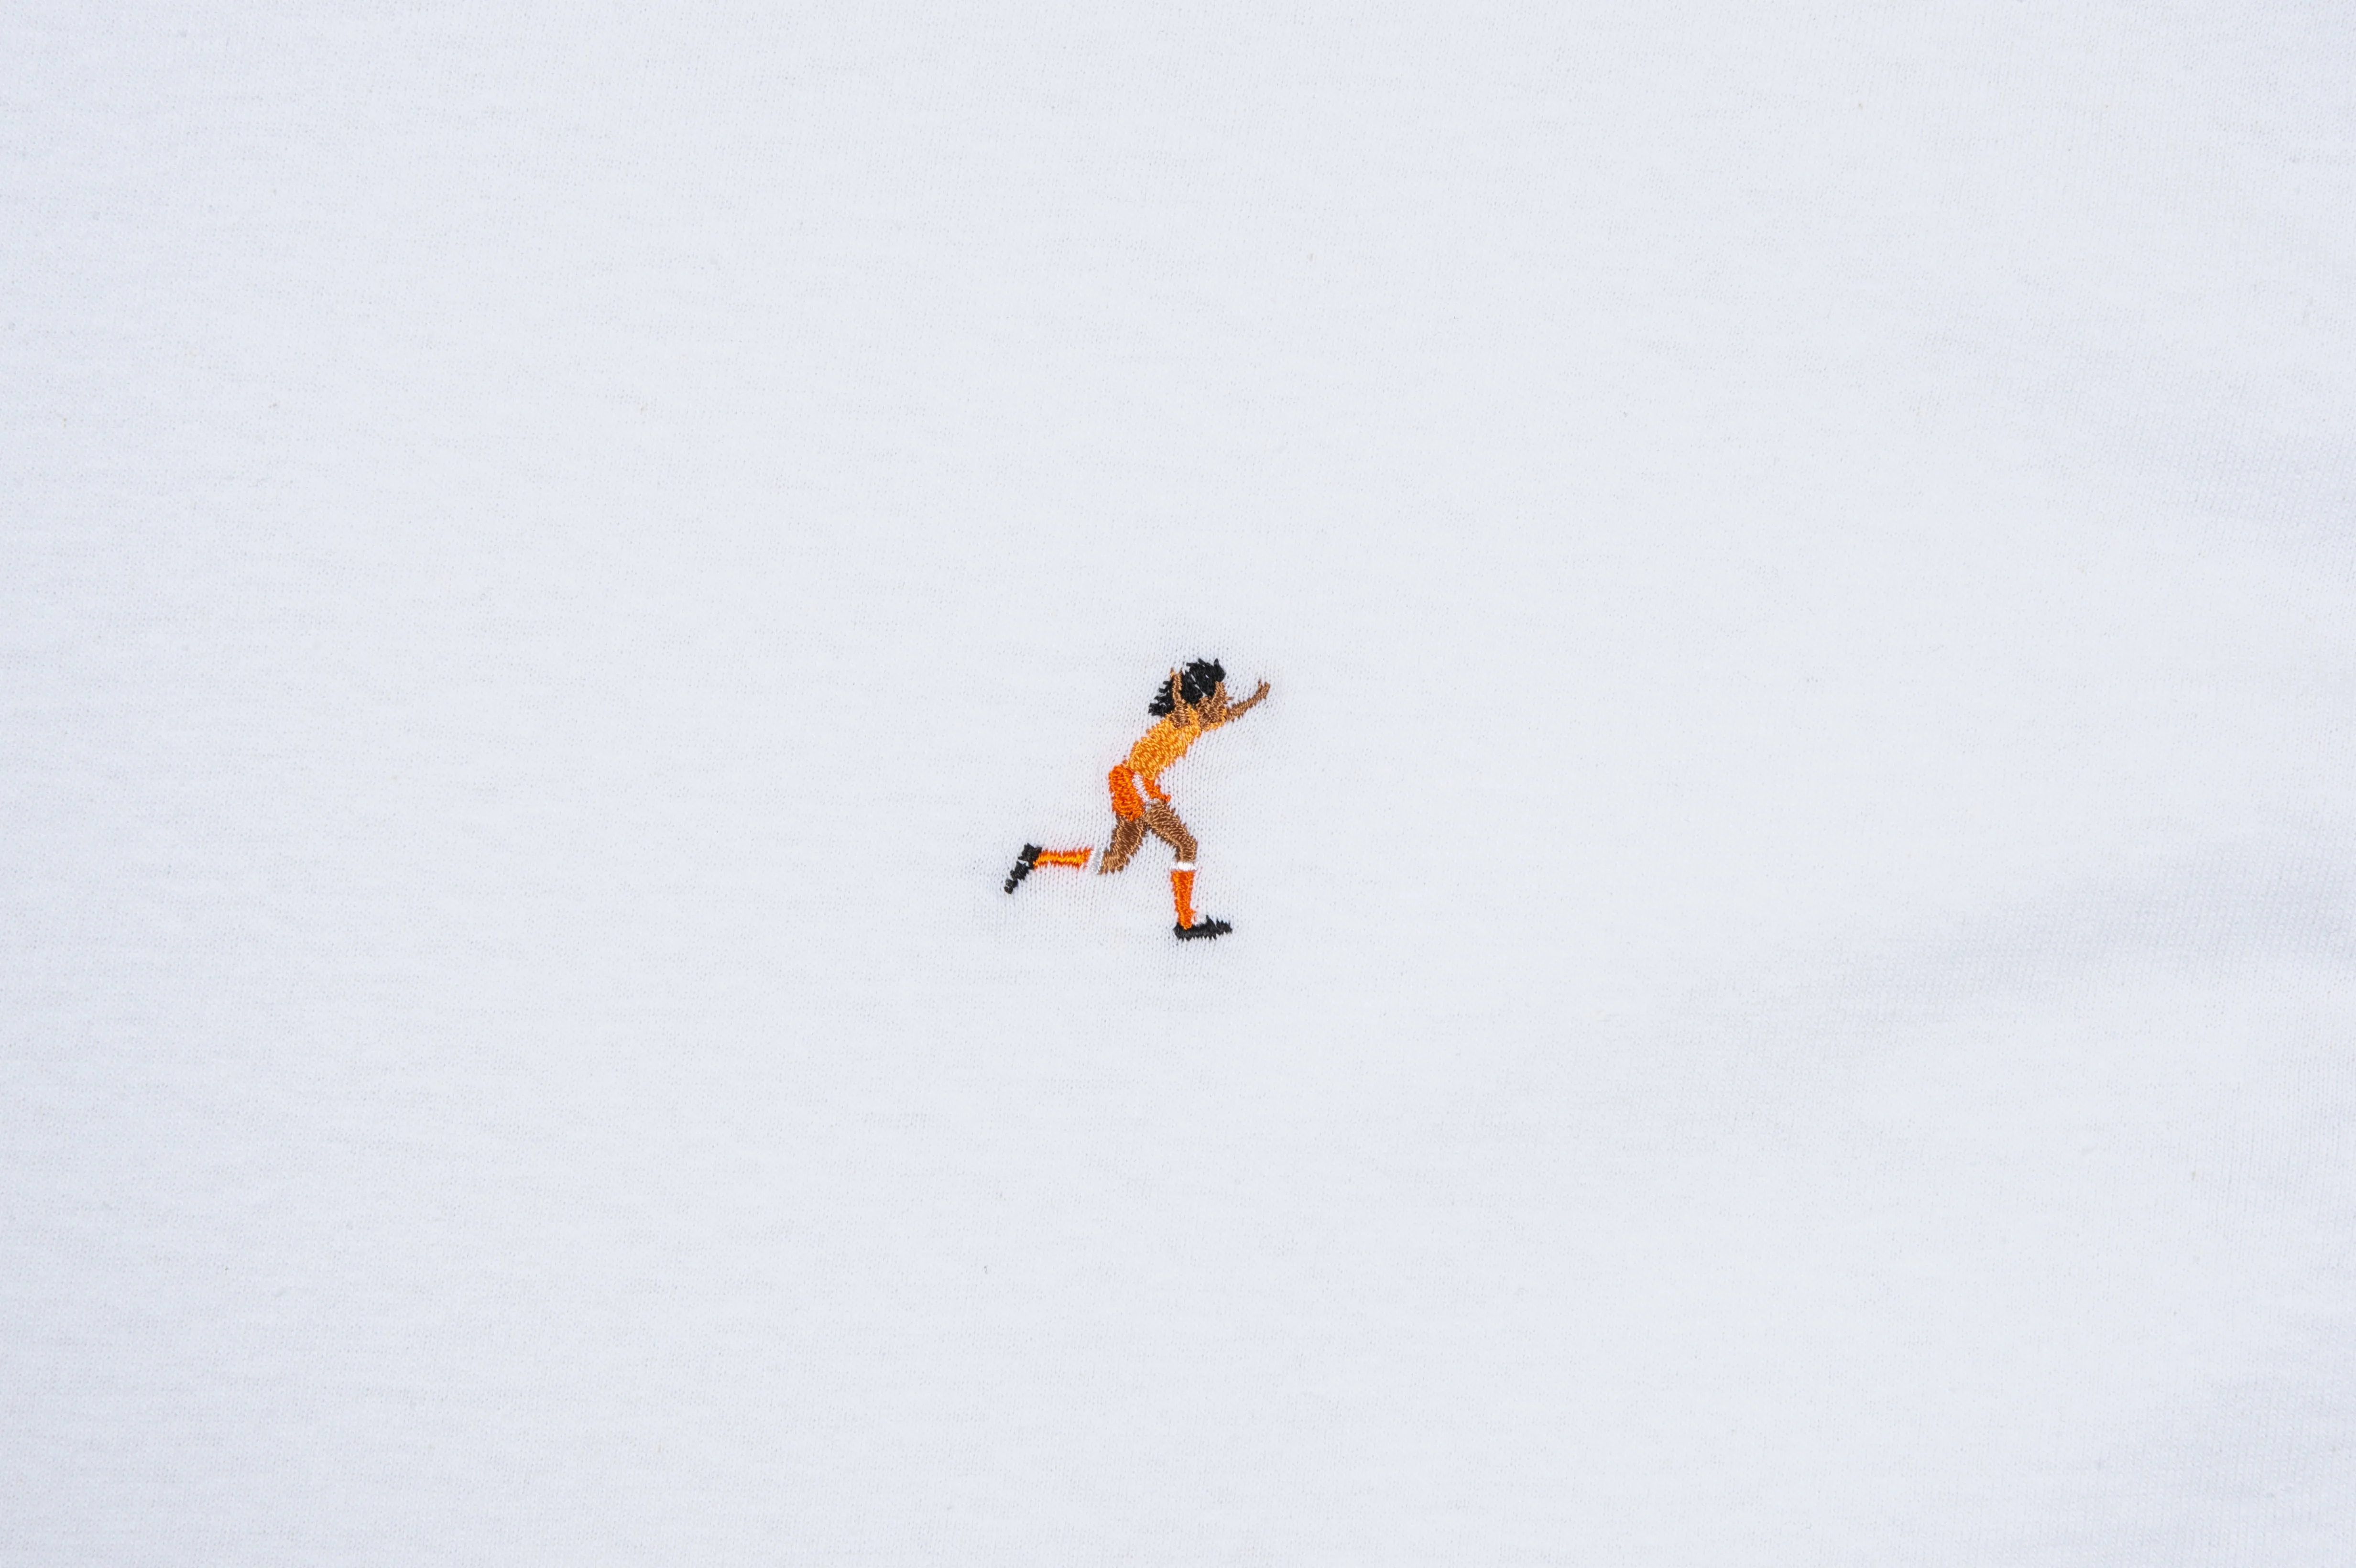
column 1182, row 865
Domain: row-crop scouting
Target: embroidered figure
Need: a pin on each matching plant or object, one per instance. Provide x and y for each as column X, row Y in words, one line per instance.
column 1191, row 702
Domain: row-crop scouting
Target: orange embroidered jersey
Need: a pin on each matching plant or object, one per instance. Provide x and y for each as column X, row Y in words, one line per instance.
column 1157, row 749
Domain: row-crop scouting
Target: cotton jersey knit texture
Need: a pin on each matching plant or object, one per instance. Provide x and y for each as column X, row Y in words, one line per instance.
column 1789, row 995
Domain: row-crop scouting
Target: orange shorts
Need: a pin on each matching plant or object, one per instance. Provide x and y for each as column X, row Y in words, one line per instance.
column 1125, row 804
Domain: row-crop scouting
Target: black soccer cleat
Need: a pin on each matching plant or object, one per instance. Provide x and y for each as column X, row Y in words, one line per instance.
column 1202, row 930
column 1023, row 864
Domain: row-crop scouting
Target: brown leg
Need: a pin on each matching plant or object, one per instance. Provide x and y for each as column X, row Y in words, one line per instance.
column 1170, row 830
column 1128, row 833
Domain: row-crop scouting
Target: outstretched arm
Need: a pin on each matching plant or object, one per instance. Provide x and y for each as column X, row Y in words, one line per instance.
column 1237, row 710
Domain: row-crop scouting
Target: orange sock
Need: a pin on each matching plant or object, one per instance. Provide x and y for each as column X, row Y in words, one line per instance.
column 1063, row 857
column 1182, row 891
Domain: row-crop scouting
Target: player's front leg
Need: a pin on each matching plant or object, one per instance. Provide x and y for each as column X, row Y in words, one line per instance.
column 1170, row 830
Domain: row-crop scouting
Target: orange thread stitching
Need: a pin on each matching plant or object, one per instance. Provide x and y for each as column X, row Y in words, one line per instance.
column 1191, row 702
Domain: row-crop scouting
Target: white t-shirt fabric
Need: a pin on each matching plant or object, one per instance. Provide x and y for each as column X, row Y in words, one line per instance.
column 1789, row 998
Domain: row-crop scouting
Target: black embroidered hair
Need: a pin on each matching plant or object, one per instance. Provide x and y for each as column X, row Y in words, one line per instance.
column 1197, row 682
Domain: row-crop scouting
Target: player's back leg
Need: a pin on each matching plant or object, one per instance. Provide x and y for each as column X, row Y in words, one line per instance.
column 1128, row 833
column 1032, row 856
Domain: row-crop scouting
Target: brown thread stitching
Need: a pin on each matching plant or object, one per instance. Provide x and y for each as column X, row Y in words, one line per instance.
column 1190, row 703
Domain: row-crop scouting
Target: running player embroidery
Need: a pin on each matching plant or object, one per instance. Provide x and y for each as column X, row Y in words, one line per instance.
column 1194, row 701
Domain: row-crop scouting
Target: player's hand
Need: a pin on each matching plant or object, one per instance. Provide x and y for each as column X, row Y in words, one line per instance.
column 1260, row 691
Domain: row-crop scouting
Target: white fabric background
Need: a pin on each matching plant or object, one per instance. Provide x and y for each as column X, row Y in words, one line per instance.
column 1791, row 994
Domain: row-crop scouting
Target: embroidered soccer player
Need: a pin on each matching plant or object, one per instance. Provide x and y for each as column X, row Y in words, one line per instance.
column 1194, row 701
